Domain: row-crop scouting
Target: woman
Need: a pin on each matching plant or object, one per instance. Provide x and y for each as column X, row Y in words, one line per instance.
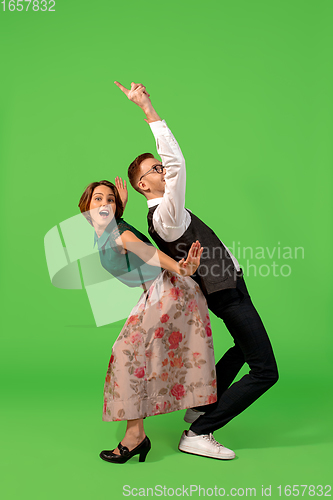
column 163, row 359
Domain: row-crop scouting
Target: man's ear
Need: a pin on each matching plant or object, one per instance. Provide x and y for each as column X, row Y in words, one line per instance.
column 143, row 186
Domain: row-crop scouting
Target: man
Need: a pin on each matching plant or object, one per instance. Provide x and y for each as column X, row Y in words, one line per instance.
column 173, row 228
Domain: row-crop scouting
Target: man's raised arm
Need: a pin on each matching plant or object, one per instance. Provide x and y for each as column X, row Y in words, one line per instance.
column 139, row 95
column 170, row 217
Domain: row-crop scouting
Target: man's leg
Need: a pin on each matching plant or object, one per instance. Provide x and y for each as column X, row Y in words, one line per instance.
column 243, row 322
column 226, row 370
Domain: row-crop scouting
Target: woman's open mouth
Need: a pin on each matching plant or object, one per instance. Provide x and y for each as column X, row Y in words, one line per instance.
column 104, row 213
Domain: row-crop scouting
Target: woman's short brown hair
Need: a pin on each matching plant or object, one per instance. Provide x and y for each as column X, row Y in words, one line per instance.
column 84, row 203
column 134, row 170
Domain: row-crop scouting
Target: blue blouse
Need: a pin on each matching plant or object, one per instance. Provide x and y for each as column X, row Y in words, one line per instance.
column 128, row 267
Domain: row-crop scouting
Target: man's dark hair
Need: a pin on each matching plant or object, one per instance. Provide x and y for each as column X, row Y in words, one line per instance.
column 134, row 170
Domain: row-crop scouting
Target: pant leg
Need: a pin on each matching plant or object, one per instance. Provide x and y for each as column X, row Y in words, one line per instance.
column 243, row 322
column 232, row 361
column 226, row 370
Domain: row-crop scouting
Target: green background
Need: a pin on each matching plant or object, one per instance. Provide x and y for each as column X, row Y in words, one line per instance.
column 246, row 88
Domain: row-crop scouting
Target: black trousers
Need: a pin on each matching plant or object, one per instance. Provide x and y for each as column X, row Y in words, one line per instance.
column 252, row 346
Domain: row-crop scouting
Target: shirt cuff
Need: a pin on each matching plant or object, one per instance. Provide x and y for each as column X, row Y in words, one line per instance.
column 158, row 127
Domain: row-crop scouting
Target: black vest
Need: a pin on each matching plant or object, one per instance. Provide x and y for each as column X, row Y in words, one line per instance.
column 216, row 271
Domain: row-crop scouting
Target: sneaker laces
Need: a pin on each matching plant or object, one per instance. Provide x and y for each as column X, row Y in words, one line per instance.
column 211, row 438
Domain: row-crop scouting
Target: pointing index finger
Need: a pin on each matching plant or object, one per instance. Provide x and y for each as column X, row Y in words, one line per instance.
column 124, row 89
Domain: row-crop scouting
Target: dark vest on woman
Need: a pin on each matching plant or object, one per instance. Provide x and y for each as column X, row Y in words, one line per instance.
column 216, row 271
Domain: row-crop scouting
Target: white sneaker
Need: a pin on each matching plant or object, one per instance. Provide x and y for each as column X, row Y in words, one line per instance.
column 205, row 445
column 191, row 415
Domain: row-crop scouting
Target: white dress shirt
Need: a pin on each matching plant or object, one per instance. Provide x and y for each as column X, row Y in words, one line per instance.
column 170, row 218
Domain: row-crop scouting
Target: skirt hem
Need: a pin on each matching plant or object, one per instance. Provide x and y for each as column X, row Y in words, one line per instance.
column 199, row 397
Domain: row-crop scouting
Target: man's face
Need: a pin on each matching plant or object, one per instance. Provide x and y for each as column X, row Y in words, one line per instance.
column 153, row 180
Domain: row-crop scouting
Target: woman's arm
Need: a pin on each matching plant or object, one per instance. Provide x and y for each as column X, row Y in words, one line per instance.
column 155, row 257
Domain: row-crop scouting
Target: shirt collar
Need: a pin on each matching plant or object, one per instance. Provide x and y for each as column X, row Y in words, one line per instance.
column 95, row 238
column 154, row 201
column 105, row 236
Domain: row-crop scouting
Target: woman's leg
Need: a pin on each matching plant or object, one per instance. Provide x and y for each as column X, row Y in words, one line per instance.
column 135, row 433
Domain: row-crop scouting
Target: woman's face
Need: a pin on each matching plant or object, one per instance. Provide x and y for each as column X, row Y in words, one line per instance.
column 102, row 206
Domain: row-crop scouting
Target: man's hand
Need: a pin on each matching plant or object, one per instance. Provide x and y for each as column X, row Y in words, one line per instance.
column 139, row 95
column 122, row 190
column 190, row 265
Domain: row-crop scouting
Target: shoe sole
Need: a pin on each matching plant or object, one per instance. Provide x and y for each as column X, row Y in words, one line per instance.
column 189, row 451
column 119, row 461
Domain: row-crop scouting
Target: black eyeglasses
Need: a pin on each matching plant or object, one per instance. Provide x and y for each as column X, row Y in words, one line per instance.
column 157, row 168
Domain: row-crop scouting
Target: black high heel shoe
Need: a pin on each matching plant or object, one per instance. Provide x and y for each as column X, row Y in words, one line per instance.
column 142, row 450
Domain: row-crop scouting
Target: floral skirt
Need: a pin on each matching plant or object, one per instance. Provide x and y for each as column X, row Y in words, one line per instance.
column 163, row 359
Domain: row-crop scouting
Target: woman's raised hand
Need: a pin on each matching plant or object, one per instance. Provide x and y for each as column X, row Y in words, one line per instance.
column 190, row 265
column 122, row 190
